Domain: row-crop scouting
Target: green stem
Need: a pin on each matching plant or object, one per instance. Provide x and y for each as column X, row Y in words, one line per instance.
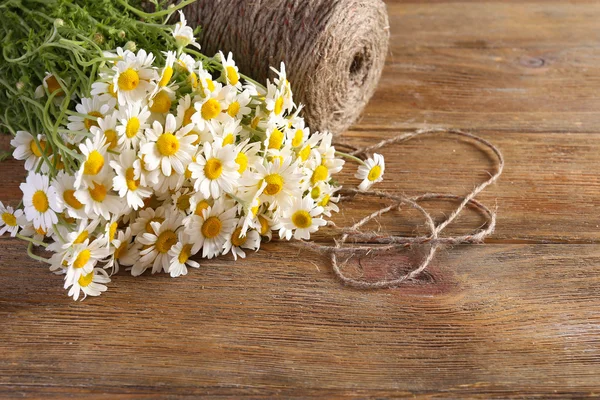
column 353, row 158
column 157, row 14
column 32, row 240
column 36, row 257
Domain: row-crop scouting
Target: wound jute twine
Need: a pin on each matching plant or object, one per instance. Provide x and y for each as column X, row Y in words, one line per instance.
column 352, row 241
column 334, row 50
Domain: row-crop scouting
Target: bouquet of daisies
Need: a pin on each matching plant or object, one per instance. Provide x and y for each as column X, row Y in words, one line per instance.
column 159, row 156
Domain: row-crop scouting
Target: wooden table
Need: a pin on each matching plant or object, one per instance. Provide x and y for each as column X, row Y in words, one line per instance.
column 516, row 316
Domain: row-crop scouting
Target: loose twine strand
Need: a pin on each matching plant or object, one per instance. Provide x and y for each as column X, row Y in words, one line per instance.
column 361, row 242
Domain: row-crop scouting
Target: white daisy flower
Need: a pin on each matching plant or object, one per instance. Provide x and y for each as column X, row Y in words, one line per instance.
column 91, row 284
column 327, row 153
column 49, row 83
column 85, row 230
column 301, row 219
column 324, row 195
column 203, row 82
column 27, row 149
column 215, row 170
column 230, row 73
column 134, row 77
column 226, row 132
column 211, row 109
column 94, row 107
column 282, row 181
column 371, row 172
column 105, row 90
column 40, row 201
column 124, row 251
column 83, row 258
column 237, row 104
column 247, row 155
column 133, row 120
column 182, row 201
column 10, row 220
column 167, row 72
column 168, row 148
column 143, row 223
column 64, row 185
column 98, row 198
column 107, row 128
column 199, row 203
column 180, row 256
column 157, row 245
column 183, row 34
column 94, row 152
column 297, row 136
column 239, row 241
column 211, row 230
column 126, row 183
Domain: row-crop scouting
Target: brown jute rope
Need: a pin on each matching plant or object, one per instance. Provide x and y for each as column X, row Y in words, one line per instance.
column 362, row 242
column 334, row 50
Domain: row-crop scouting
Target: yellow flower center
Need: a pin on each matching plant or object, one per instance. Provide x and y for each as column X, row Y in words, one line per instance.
column 200, row 207
column 186, row 251
column 255, row 122
column 40, row 201
column 82, row 259
column 71, row 200
column 213, row 168
column 242, row 160
column 81, row 237
column 254, row 210
column 53, row 85
column 166, row 76
column 302, row 219
column 98, row 192
column 128, row 80
column 229, row 139
column 232, row 75
column 40, row 231
column 210, row 109
column 210, row 84
column 165, row 241
column 236, row 239
column 94, row 163
column 374, row 173
column 304, row 153
column 111, row 90
column 264, row 225
column 111, row 138
column 315, row 193
column 160, row 220
column 276, row 139
column 9, row 219
column 132, row 127
column 274, row 184
column 90, row 122
column 161, row 103
column 112, row 231
column 183, row 202
column 278, row 106
column 325, row 200
column 211, row 227
column 194, row 80
column 132, row 183
column 167, row 144
column 187, row 116
column 85, row 280
column 233, row 109
column 298, row 136
column 320, row 174
column 120, row 250
column 35, row 149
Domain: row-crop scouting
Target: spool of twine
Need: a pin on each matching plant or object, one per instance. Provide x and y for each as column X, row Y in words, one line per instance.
column 334, row 50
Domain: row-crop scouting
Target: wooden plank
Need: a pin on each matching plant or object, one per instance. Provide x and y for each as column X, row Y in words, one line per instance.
column 280, row 324
column 548, row 192
column 528, row 67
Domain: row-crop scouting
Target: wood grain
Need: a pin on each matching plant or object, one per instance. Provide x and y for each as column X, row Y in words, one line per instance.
column 518, row 316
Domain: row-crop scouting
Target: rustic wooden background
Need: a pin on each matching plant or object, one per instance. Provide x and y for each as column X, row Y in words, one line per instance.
column 516, row 316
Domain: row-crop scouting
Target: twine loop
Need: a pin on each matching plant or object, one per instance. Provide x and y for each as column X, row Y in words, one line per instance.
column 353, row 241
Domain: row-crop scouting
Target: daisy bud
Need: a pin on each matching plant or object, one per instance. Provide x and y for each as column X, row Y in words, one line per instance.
column 20, row 86
column 122, row 34
column 59, row 23
column 131, row 46
column 98, row 38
